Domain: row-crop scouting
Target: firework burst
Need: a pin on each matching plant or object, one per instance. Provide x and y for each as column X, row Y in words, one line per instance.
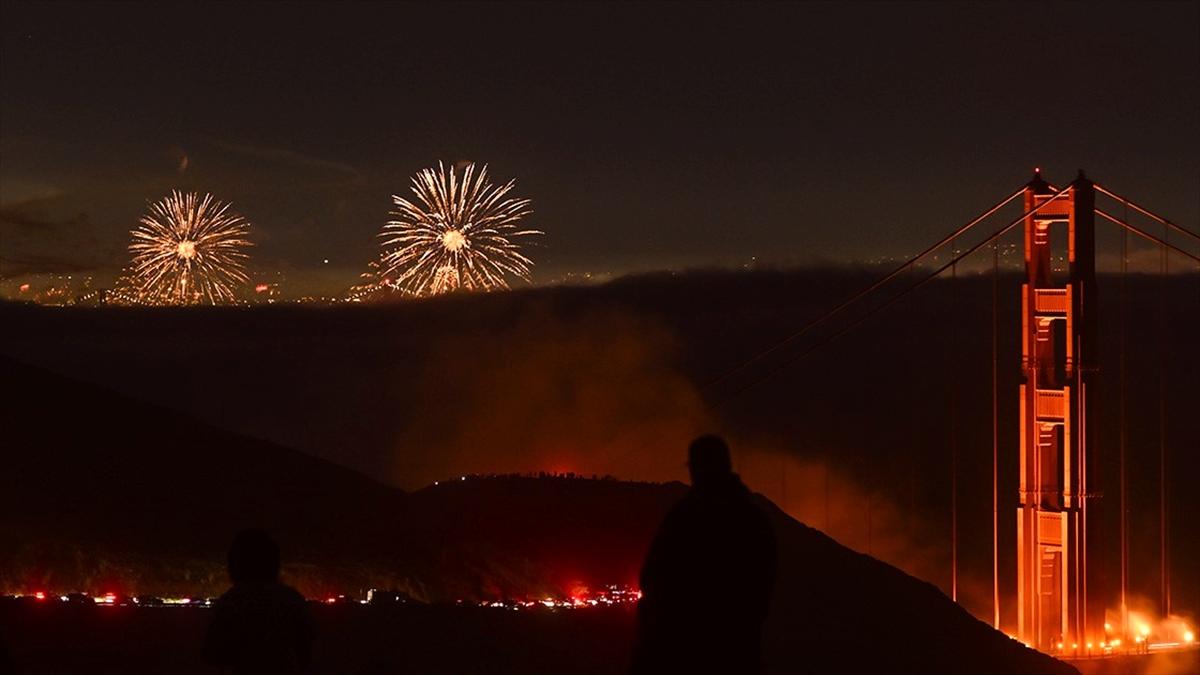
column 458, row 234
column 188, row 249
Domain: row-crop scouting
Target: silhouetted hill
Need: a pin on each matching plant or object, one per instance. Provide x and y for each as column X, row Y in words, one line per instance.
column 835, row 610
column 850, row 613
column 609, row 379
column 97, row 498
column 103, row 492
column 526, row 537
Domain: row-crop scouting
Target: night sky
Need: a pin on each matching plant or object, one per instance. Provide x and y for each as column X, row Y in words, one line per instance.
column 653, row 137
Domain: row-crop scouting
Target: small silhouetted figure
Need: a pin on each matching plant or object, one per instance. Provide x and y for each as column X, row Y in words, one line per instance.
column 260, row 625
column 707, row 580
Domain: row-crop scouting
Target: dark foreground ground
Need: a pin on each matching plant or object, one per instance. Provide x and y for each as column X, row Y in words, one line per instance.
column 429, row 640
column 400, row 639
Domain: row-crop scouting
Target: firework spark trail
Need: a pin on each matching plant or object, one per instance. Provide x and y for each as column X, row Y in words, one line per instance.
column 460, row 235
column 189, row 249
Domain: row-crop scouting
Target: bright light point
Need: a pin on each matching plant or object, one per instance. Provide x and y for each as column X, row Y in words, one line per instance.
column 1144, row 630
column 453, row 240
column 325, row 260
column 1107, row 626
column 1189, row 637
column 187, row 249
column 40, row 595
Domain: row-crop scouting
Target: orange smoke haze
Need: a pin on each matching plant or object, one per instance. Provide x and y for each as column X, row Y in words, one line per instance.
column 593, row 393
column 599, row 392
column 825, row 497
column 604, row 380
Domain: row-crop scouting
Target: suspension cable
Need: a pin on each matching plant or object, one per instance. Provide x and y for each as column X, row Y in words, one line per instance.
column 1164, row 516
column 1146, row 235
column 1146, row 212
column 950, row 354
column 892, row 300
column 1122, row 436
column 995, row 437
column 859, row 295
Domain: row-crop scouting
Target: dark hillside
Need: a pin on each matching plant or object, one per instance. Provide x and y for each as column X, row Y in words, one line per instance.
column 105, row 493
column 93, row 503
column 610, row 380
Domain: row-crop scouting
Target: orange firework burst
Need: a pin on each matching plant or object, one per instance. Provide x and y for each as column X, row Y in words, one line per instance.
column 460, row 235
column 189, row 249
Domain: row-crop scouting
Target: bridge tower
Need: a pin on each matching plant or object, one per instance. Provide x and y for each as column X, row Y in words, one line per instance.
column 1058, row 312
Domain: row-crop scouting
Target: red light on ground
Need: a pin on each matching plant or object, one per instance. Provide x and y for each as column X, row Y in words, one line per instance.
column 24, row 288
column 40, row 595
column 330, row 601
column 261, row 288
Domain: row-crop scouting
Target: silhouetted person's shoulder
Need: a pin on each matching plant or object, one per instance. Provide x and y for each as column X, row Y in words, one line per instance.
column 708, row 576
column 275, row 597
column 272, row 594
column 260, row 625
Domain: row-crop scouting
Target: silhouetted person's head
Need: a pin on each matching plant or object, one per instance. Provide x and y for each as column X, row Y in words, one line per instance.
column 708, row 460
column 253, row 558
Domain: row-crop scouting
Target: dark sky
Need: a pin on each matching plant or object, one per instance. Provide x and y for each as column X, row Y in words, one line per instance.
column 647, row 136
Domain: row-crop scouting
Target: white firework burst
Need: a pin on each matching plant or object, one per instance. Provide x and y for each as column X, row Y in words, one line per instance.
column 189, row 249
column 459, row 234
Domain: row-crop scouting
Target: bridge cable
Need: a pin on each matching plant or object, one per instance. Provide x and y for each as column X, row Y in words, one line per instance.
column 950, row 356
column 859, row 295
column 890, row 301
column 1146, row 235
column 1123, row 435
column 1164, row 517
column 1144, row 211
column 995, row 438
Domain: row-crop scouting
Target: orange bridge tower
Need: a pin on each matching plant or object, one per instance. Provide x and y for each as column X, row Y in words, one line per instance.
column 1058, row 317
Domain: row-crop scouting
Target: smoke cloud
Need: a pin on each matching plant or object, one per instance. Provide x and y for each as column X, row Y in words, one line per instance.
column 595, row 392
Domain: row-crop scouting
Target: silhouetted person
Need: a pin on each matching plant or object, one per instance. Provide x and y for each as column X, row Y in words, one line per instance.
column 260, row 625
column 707, row 580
